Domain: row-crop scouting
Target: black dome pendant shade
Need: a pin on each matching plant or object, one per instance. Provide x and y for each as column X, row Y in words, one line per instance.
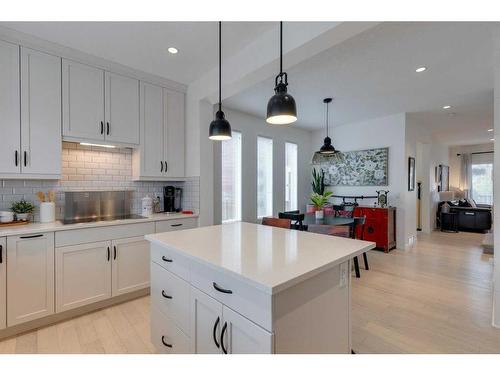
column 220, row 129
column 281, row 108
column 327, row 148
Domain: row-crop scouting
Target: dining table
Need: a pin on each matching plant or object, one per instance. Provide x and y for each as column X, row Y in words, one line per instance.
column 328, row 219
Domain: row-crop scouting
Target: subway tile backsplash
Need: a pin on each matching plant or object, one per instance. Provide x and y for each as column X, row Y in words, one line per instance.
column 95, row 168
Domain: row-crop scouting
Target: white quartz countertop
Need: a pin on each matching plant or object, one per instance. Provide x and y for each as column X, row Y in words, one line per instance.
column 57, row 226
column 269, row 258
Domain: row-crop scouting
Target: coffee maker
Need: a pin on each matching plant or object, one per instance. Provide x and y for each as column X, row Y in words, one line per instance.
column 172, row 198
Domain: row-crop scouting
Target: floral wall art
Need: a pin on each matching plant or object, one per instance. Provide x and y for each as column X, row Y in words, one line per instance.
column 355, row 168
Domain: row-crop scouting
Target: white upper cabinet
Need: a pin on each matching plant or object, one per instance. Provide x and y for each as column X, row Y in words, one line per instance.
column 3, row 283
column 40, row 113
column 10, row 111
column 161, row 154
column 148, row 159
column 83, row 102
column 122, row 109
column 174, row 150
column 30, row 107
column 99, row 106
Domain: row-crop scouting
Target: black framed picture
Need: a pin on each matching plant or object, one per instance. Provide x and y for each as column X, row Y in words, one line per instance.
column 411, row 174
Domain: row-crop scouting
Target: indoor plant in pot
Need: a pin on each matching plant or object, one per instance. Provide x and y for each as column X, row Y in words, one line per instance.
column 319, row 201
column 22, row 209
column 318, row 185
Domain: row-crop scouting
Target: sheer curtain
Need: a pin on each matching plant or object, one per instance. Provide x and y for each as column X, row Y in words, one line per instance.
column 466, row 174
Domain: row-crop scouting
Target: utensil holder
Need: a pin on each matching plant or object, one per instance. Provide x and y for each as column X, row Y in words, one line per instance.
column 47, row 212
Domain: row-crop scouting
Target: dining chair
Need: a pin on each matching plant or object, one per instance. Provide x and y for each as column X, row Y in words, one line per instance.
column 276, row 222
column 359, row 224
column 296, row 217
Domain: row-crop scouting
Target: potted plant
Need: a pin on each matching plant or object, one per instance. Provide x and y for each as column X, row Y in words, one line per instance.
column 319, row 201
column 318, row 186
column 22, row 209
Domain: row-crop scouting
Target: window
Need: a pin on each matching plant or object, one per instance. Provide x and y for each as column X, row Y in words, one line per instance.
column 482, row 183
column 264, row 177
column 231, row 178
column 291, row 152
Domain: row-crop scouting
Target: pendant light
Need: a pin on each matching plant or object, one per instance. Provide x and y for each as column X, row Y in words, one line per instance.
column 281, row 108
column 220, row 129
column 327, row 148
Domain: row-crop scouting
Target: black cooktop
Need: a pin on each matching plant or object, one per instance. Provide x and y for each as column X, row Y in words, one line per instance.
column 101, row 218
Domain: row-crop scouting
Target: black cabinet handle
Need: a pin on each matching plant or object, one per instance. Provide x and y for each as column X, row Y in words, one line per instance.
column 114, row 252
column 102, row 127
column 164, row 343
column 107, row 128
column 224, row 350
column 32, row 236
column 215, row 332
column 166, row 167
column 176, row 225
column 1, row 254
column 161, row 168
column 222, row 290
column 16, row 158
column 109, row 254
column 166, row 259
column 25, row 158
column 165, row 295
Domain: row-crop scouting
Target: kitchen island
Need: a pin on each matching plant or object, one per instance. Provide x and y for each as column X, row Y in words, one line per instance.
column 249, row 288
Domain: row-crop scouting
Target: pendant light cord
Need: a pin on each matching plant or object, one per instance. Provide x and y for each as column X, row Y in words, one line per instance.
column 220, row 66
column 281, row 47
column 327, row 124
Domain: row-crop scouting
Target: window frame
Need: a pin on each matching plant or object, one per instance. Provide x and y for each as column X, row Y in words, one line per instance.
column 257, row 179
column 240, row 182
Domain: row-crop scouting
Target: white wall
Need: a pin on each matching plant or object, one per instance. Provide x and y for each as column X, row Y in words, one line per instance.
column 386, row 131
column 251, row 127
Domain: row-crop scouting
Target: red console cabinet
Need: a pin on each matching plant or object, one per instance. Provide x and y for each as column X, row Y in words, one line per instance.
column 380, row 226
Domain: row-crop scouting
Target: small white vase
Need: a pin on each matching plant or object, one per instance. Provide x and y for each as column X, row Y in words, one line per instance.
column 22, row 217
column 319, row 214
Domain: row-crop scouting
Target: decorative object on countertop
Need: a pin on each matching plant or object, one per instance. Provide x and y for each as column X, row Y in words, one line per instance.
column 411, row 173
column 382, row 198
column 6, row 216
column 355, row 168
column 319, row 201
column 47, row 206
column 22, row 209
column 157, row 205
column 281, row 108
column 147, row 206
column 220, row 129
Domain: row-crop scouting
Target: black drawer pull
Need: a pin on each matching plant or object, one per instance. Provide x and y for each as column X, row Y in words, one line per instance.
column 16, row 158
column 32, row 236
column 109, row 254
column 165, row 295
column 222, row 290
column 176, row 225
column 161, row 166
column 114, row 252
column 166, row 259
column 224, row 350
column 25, row 158
column 215, row 332
column 102, row 127
column 164, row 343
column 1, row 254
column 107, row 128
column 166, row 166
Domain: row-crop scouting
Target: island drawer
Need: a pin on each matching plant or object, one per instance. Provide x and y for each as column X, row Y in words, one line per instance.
column 166, row 337
column 246, row 299
column 170, row 294
column 177, row 224
column 170, row 260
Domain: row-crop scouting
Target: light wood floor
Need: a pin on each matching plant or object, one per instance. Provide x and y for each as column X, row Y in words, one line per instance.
column 435, row 298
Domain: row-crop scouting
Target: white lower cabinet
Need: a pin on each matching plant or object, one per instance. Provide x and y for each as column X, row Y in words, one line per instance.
column 83, row 274
column 166, row 337
column 3, row 283
column 30, row 277
column 216, row 329
column 130, row 266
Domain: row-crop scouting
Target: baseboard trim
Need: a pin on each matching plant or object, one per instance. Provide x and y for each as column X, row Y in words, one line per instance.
column 57, row 318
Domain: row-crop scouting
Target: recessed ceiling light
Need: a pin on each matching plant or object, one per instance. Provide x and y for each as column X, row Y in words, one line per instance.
column 490, row 130
column 492, row 139
column 421, row 69
column 446, row 106
column 172, row 50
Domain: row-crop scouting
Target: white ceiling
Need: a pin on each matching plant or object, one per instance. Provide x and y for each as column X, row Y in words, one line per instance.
column 143, row 45
column 373, row 75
